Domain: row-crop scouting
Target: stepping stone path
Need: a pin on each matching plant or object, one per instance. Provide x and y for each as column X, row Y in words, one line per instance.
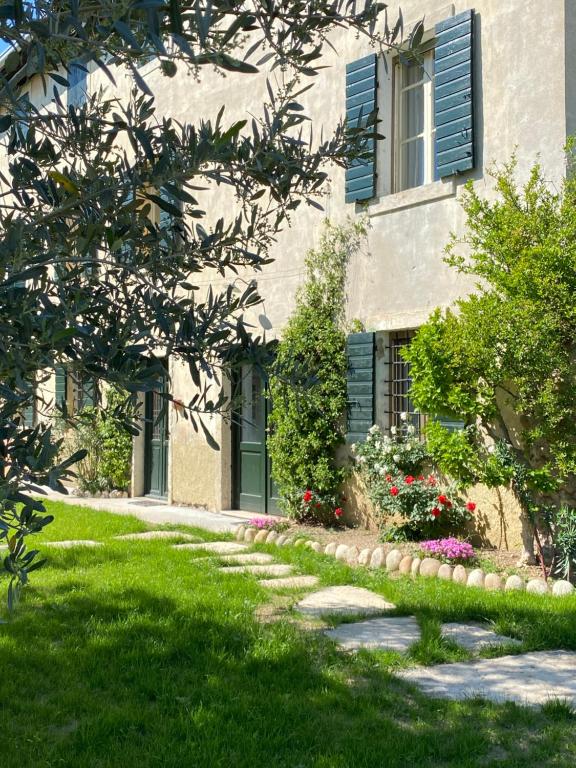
column 475, row 637
column 250, row 558
column 390, row 633
column 218, row 547
column 261, row 570
column 343, row 601
column 529, row 678
column 72, row 543
column 290, row 582
column 151, row 535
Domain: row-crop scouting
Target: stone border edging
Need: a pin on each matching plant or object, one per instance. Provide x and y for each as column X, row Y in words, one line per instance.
column 396, row 561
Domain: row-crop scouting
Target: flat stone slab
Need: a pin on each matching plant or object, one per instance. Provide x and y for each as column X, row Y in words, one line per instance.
column 290, row 582
column 250, row 558
column 344, row 601
column 259, row 570
column 389, row 633
column 152, row 535
column 218, row 547
column 73, row 543
column 529, row 678
column 474, row 637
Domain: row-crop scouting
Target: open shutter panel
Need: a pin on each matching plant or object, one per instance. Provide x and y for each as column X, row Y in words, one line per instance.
column 454, row 95
column 360, row 383
column 360, row 104
column 60, row 386
column 88, row 392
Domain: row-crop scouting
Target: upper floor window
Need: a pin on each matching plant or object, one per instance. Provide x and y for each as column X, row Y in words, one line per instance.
column 414, row 87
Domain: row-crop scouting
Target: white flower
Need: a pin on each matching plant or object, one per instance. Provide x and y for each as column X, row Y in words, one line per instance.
column 353, row 447
column 393, row 430
column 382, row 471
column 396, row 458
column 411, row 429
column 403, row 416
column 386, row 439
column 374, row 429
column 361, row 459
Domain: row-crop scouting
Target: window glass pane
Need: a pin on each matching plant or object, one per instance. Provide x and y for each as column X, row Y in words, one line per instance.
column 412, row 163
column 413, row 112
column 413, row 73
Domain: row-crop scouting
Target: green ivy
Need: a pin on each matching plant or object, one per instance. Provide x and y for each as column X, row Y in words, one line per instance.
column 308, row 383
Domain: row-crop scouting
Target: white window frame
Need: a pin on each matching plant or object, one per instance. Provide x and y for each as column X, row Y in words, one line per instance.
column 426, row 55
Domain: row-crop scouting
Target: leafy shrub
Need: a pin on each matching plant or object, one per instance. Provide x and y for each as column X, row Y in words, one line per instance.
column 308, row 383
column 410, row 502
column 449, row 550
column 107, row 464
column 564, row 531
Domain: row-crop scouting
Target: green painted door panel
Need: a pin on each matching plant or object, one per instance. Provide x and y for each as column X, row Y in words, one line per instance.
column 156, row 437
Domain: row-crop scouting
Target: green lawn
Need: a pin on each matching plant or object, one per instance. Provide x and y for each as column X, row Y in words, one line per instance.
column 135, row 654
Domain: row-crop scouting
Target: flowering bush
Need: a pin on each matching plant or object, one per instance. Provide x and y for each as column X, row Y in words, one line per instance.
column 268, row 524
column 315, row 507
column 412, row 503
column 449, row 550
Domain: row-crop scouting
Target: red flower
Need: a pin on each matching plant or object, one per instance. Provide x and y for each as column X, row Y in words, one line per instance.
column 442, row 499
column 338, row 512
column 394, row 491
column 388, row 478
column 436, row 512
column 470, row 506
column 420, row 477
column 307, row 496
column 409, row 480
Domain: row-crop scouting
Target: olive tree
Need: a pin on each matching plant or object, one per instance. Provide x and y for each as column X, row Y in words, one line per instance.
column 89, row 278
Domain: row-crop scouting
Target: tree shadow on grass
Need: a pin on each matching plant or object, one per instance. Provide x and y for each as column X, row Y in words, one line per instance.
column 132, row 678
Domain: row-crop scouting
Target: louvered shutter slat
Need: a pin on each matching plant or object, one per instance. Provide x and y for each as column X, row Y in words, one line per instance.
column 361, row 84
column 360, row 386
column 453, row 95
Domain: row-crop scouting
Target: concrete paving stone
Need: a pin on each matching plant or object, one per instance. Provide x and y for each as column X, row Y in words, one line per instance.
column 474, row 637
column 344, row 601
column 152, row 535
column 290, row 582
column 259, row 570
column 70, row 544
column 250, row 558
column 529, row 678
column 218, row 547
column 389, row 633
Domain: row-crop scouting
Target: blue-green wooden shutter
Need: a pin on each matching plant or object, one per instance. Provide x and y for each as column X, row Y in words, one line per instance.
column 360, row 385
column 60, row 386
column 89, row 392
column 454, row 95
column 361, row 84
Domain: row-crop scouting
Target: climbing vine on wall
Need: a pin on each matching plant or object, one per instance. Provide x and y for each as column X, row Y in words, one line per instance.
column 308, row 384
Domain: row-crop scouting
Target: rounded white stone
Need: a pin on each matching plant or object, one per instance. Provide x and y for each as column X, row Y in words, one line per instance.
column 250, row 534
column 272, row 537
column 415, row 567
column 364, row 557
column 493, row 582
column 429, row 567
column 300, row 543
column 240, row 531
column 378, row 558
column 352, row 555
column 445, row 572
column 341, row 552
column 460, row 574
column 537, row 587
column 331, row 548
column 562, row 588
column 405, row 564
column 316, row 546
column 514, row 583
column 476, row 578
column 393, row 559
column 261, row 536
column 280, row 540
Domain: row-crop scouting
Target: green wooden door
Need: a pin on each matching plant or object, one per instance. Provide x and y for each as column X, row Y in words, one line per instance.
column 255, row 488
column 156, row 437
